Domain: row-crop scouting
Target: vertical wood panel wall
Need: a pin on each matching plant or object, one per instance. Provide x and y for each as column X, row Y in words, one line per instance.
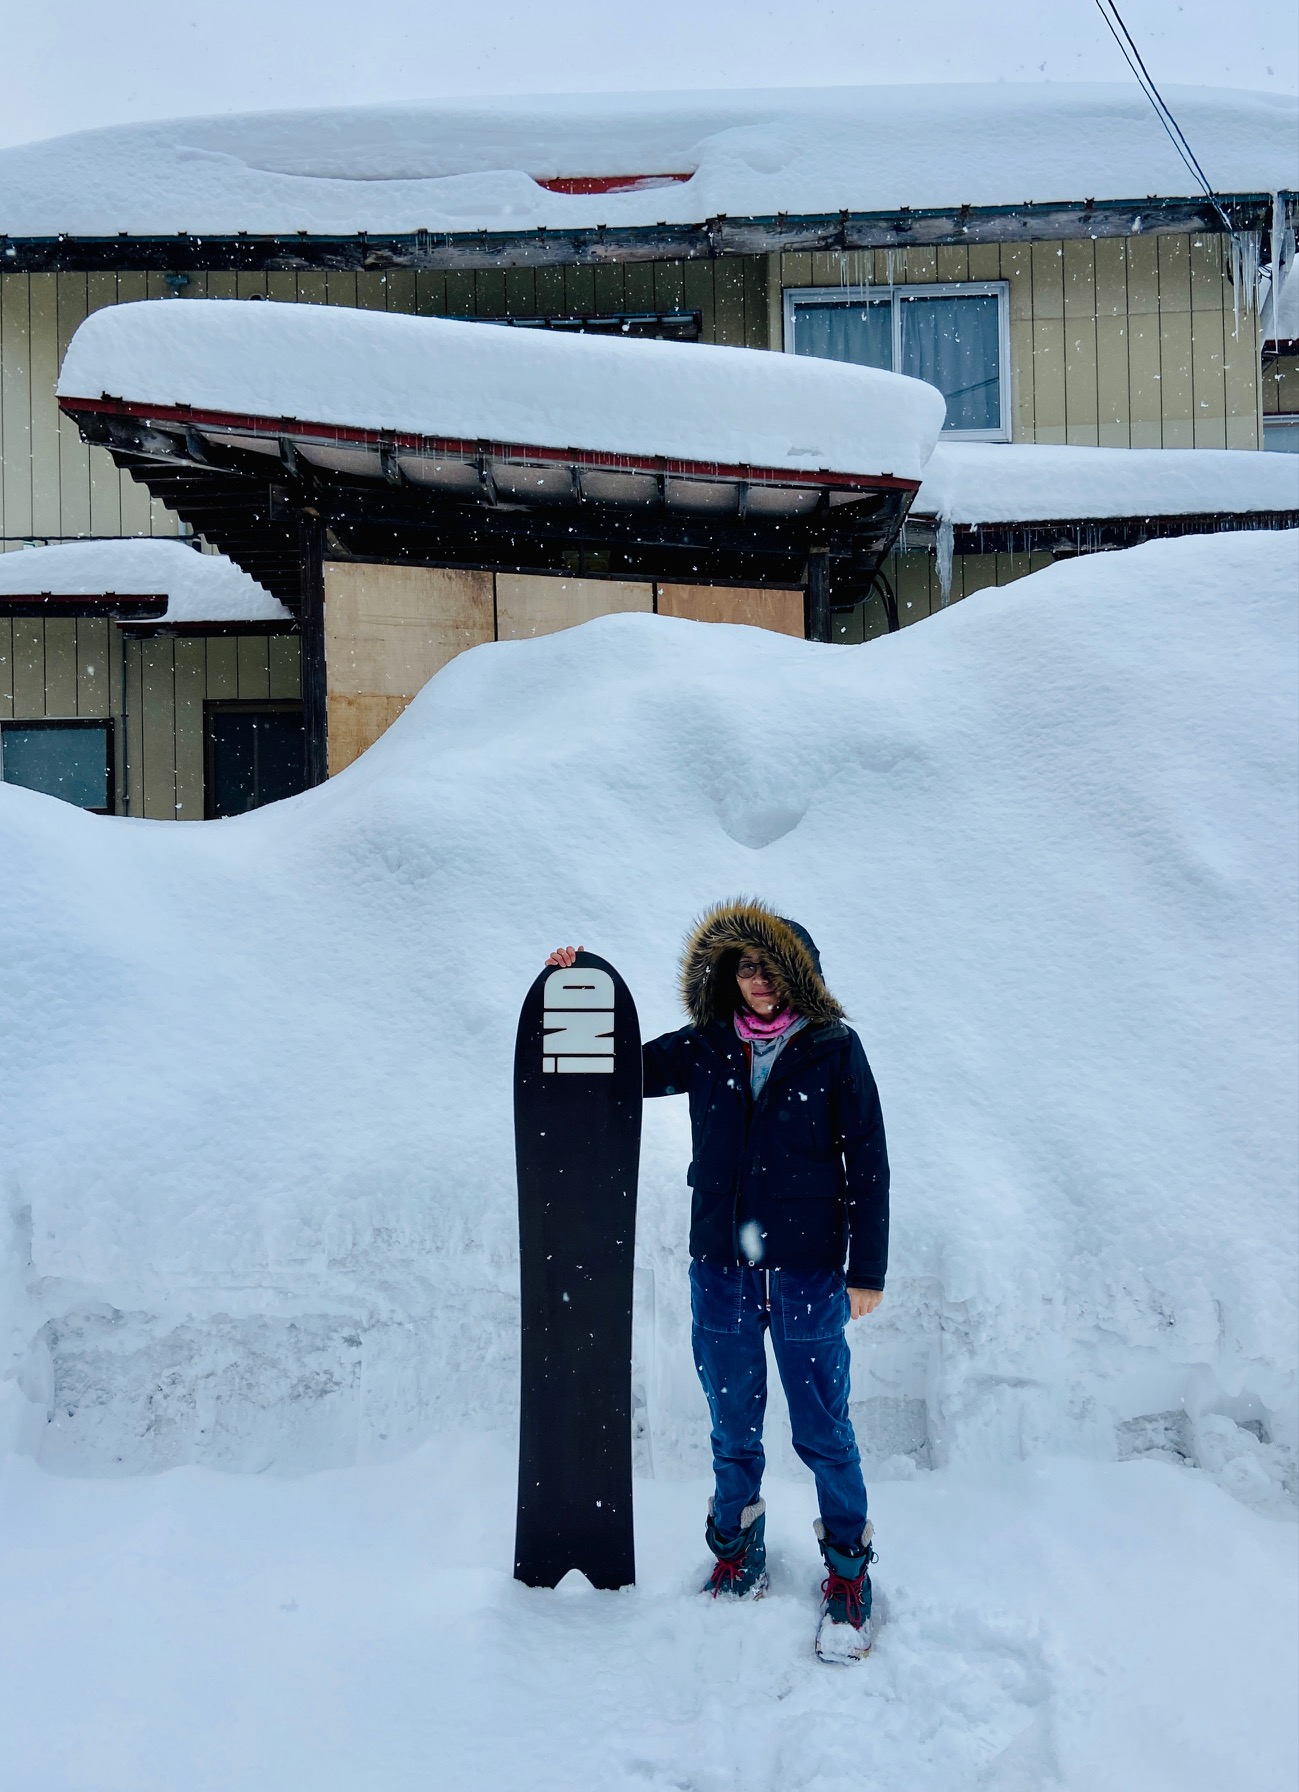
column 1127, row 342
column 152, row 688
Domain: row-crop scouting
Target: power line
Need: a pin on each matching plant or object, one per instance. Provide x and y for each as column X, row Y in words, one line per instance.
column 1145, row 80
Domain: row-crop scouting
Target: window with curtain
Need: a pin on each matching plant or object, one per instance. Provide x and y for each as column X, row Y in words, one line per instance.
column 954, row 336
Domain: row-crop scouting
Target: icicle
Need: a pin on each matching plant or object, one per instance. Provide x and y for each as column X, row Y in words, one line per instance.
column 1282, row 254
column 946, row 542
column 1244, row 273
column 888, row 266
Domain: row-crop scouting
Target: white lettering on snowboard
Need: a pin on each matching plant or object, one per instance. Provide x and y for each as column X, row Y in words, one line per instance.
column 578, row 1020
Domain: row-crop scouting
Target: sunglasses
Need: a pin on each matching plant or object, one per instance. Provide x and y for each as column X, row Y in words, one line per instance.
column 749, row 968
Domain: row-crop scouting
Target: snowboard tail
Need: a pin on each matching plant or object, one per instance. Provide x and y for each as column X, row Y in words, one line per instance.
column 577, row 1119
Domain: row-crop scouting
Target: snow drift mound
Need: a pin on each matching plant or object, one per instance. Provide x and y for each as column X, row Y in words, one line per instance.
column 256, row 1074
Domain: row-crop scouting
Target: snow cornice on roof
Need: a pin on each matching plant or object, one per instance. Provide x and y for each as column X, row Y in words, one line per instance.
column 518, row 182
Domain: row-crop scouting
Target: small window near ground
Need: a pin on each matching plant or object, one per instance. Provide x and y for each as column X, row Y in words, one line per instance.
column 69, row 760
column 254, row 755
column 1281, row 434
column 954, row 336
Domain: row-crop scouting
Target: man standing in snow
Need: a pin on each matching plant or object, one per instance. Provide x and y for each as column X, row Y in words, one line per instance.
column 790, row 1176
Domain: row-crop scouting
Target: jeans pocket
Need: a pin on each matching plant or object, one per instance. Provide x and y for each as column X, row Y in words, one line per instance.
column 716, row 1296
column 812, row 1306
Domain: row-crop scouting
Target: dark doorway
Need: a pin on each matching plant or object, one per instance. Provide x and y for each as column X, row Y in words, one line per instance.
column 253, row 754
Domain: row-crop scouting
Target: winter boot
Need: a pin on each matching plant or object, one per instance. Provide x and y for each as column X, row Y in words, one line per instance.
column 844, row 1633
column 740, row 1571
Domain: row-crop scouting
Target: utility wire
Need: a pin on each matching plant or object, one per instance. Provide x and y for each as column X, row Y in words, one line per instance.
column 1145, row 80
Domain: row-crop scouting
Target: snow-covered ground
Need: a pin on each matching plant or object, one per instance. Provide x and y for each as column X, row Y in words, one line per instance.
column 254, row 1091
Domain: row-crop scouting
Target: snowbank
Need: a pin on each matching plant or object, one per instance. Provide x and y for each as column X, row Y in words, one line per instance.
column 441, row 377
column 978, row 482
column 450, row 167
column 255, row 1074
column 198, row 587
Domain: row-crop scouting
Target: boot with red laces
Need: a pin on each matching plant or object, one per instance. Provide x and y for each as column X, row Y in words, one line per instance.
column 844, row 1633
column 740, row 1568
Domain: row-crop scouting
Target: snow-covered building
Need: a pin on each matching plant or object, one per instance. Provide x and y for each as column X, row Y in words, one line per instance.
column 1040, row 254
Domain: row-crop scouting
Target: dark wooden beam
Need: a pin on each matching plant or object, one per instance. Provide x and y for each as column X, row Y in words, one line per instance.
column 719, row 236
column 817, row 614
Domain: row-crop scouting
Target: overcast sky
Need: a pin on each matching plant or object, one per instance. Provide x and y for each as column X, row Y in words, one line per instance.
column 71, row 64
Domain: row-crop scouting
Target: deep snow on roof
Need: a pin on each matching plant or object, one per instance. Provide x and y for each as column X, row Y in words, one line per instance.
column 441, row 377
column 982, row 482
column 461, row 167
column 198, row 587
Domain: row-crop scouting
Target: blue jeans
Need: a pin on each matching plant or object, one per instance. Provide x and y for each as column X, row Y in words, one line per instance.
column 806, row 1315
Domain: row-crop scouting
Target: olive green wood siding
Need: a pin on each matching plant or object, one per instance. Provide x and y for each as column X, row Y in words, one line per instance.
column 1281, row 386
column 60, row 668
column 914, row 578
column 1121, row 343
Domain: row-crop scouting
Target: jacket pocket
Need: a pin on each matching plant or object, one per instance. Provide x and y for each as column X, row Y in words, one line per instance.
column 812, row 1305
column 716, row 1294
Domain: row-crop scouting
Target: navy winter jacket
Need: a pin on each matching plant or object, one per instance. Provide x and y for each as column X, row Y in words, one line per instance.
column 807, row 1161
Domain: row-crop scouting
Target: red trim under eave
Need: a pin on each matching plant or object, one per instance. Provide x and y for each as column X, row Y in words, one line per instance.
column 463, row 446
column 606, row 183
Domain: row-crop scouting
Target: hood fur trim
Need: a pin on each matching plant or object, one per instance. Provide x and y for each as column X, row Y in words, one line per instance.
column 727, row 927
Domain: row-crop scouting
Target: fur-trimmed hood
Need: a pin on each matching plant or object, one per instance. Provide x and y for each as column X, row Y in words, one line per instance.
column 727, row 927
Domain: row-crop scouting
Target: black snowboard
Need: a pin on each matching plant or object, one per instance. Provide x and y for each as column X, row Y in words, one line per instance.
column 577, row 1115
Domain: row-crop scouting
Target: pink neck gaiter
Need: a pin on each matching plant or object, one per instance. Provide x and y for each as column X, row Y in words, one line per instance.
column 752, row 1026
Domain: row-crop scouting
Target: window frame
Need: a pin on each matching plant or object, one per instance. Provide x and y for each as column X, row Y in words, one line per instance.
column 794, row 296
column 84, row 724
column 213, row 707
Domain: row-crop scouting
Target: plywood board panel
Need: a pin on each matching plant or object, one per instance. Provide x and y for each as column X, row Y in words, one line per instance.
column 548, row 284
column 775, row 306
column 848, row 627
column 579, row 291
column 1080, row 378
column 253, row 663
column 222, row 666
column 340, row 288
column 916, row 591
column 224, row 285
column 158, row 729
column 985, row 261
column 954, row 263
column 761, row 606
column 796, row 268
column 356, row 722
column 95, row 689
column 190, row 684
column 282, row 286
column 1079, row 266
column 1112, row 404
column 312, row 289
column 29, row 667
column 978, row 572
column 74, row 456
column 61, row 666
column 285, row 659
column 6, row 667
column 388, row 629
column 15, row 405
column 528, row 605
column 827, row 268
column 460, row 293
column 638, row 285
column 1175, row 379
